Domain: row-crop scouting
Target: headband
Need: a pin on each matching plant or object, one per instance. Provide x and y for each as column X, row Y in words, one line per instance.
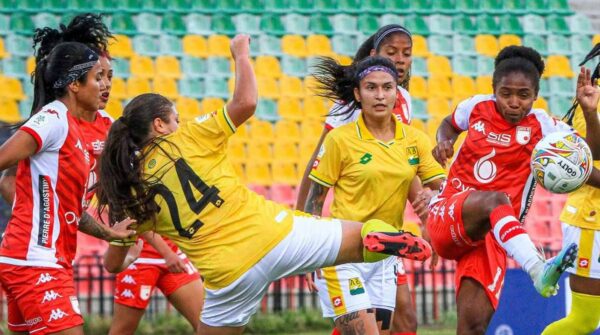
column 78, row 70
column 374, row 68
column 391, row 30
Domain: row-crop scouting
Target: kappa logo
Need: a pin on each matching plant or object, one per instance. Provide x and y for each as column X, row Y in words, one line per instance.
column 127, row 294
column 480, row 127
column 57, row 314
column 50, row 295
column 128, row 279
column 451, row 211
column 45, row 278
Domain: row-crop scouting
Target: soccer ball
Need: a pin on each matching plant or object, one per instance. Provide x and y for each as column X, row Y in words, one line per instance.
column 561, row 162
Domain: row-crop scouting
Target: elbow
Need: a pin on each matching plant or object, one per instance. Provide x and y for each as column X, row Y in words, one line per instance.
column 247, row 106
column 111, row 266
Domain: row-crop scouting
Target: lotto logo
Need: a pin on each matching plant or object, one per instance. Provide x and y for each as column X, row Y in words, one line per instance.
column 57, row 314
column 50, row 295
column 44, row 278
column 128, row 280
column 127, row 294
column 584, row 263
column 337, row 302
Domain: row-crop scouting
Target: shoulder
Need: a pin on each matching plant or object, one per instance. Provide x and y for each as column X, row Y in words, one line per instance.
column 342, row 132
column 405, row 94
column 335, row 120
column 414, row 135
column 469, row 104
column 106, row 118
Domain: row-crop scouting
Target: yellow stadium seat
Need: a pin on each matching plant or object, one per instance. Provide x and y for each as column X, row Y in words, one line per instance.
column 287, row 129
column 294, row 45
column 486, row 45
column 438, row 107
column 432, row 126
column 268, row 87
column 290, row 108
column 114, row 107
column 119, row 88
column 137, row 86
column 267, row 66
column 315, row 107
column 259, row 173
column 218, row 45
column 558, row 66
column 168, row 66
column 3, row 52
column 455, row 101
column 506, row 40
column 419, row 46
column 541, row 103
column 285, row 151
column 166, row 86
column 30, row 64
column 318, row 45
column 285, row 173
column 142, row 66
column 439, row 86
column 463, row 86
column 209, row 105
column 122, row 47
column 11, row 88
column 311, row 129
column 291, row 87
column 342, row 59
column 418, row 87
column 310, row 86
column 484, row 85
column 260, row 150
column 419, row 124
column 195, row 45
column 439, row 66
column 307, row 148
column 10, row 111
column 261, row 130
column 596, row 39
column 188, row 108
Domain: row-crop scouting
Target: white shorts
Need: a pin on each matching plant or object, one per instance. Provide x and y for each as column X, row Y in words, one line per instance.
column 312, row 243
column 353, row 287
column 588, row 240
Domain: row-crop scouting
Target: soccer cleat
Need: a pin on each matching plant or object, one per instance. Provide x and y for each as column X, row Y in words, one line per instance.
column 402, row 243
column 545, row 281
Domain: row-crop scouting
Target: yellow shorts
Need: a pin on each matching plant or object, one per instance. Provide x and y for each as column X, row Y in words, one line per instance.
column 588, row 258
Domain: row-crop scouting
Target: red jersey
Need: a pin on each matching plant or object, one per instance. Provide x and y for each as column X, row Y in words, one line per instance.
column 149, row 255
column 95, row 134
column 496, row 154
column 50, row 190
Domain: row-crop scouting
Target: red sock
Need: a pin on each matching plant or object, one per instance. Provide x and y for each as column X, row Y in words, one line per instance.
column 511, row 235
column 335, row 332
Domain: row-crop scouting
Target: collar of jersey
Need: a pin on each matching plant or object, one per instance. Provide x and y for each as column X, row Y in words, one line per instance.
column 364, row 134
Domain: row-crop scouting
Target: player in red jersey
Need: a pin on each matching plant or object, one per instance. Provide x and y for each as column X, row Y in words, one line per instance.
column 476, row 218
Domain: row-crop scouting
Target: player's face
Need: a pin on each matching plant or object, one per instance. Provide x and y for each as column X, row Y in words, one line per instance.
column 107, row 74
column 173, row 123
column 515, row 95
column 377, row 94
column 397, row 48
column 88, row 94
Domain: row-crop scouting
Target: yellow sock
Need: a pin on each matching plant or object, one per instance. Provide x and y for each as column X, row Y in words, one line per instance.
column 371, row 226
column 583, row 318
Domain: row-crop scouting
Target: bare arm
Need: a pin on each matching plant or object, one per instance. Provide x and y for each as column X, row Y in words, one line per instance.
column 173, row 262
column 18, row 147
column 121, row 230
column 446, row 136
column 594, row 179
column 316, row 198
column 7, row 184
column 245, row 95
column 118, row 258
column 588, row 96
column 305, row 183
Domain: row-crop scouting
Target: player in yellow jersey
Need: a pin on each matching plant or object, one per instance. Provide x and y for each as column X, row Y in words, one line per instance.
column 581, row 225
column 179, row 182
column 370, row 164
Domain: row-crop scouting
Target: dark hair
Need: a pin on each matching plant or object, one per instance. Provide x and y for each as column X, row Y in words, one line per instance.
column 336, row 82
column 122, row 186
column 595, row 52
column 519, row 59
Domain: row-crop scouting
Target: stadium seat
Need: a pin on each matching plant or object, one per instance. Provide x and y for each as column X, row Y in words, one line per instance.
column 287, row 129
column 216, row 87
column 4, row 24
column 285, row 150
column 561, row 86
column 439, row 65
column 119, row 89
column 137, row 86
column 558, row 44
column 18, row 45
column 494, row 7
column 166, row 86
column 121, row 46
column 236, row 150
column 247, row 23
column 193, row 67
column 463, row 86
column 22, row 23
column 419, row 67
column 344, row 45
column 142, row 66
column 344, row 24
column 510, row 24
column 487, row 24
column 388, row 18
column 541, row 103
column 559, row 7
column 596, row 39
column 267, row 66
column 218, row 45
column 467, row 6
column 15, row 67
column 439, row 86
column 581, row 44
column 558, row 65
column 267, row 110
column 42, row 20
column 170, row 45
column 293, row 66
column 506, row 40
column 580, row 24
column 222, row 24
column 283, row 194
column 268, row 88
column 367, row 24
column 168, row 66
column 188, row 108
column 517, row 7
column 559, row 105
column 311, row 130
column 198, row 24
column 323, row 6
column 484, row 84
column 534, row 24
column 148, row 23
column 173, row 24
column 114, row 108
column 438, row 107
column 268, row 45
column 195, row 45
column 440, row 45
column 209, row 105
column 294, row 45
column 418, row 87
column 276, row 6
column 122, row 24
column 11, row 88
column 318, row 45
column 485, row 65
column 272, row 25
column 486, row 45
column 440, row 24
column 291, row 87
column 290, row 108
column 297, row 24
column 259, row 173
column 420, row 48
column 557, row 24
column 463, row 24
column 192, row 87
column 320, row 24
column 419, row 107
column 146, row 45
column 463, row 45
column 219, row 66
column 261, row 130
column 315, row 107
column 121, row 67
column 544, row 87
column 285, row 173
column 416, row 24
column 538, row 42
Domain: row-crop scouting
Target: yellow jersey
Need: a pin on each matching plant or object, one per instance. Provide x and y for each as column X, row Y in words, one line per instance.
column 583, row 206
column 222, row 226
column 371, row 178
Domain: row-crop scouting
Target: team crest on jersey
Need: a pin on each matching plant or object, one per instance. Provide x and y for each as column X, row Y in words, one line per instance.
column 356, row 286
column 523, row 135
column 337, row 302
column 152, row 163
column 584, row 263
column 145, row 291
column 39, row 120
column 413, row 155
column 321, row 151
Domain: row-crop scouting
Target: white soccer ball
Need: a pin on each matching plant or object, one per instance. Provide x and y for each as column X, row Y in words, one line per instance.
column 561, row 162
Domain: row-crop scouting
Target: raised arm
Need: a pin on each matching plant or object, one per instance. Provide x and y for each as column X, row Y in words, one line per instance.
column 446, row 136
column 305, row 183
column 121, row 230
column 245, row 95
column 588, row 96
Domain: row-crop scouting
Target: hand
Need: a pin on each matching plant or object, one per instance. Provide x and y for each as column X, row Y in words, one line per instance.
column 312, row 287
column 588, row 93
column 175, row 264
column 434, row 256
column 240, row 46
column 122, row 230
column 443, row 151
column 135, row 250
column 421, row 203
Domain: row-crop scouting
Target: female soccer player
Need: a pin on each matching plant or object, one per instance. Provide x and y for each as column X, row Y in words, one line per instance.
column 475, row 219
column 580, row 225
column 179, row 182
column 395, row 43
column 370, row 164
column 39, row 244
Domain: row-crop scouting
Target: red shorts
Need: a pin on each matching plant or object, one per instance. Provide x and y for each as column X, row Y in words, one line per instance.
column 401, row 277
column 483, row 261
column 40, row 300
column 134, row 286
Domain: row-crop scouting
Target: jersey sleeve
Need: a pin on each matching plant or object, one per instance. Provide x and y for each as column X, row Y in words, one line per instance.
column 48, row 130
column 335, row 121
column 328, row 163
column 429, row 169
column 408, row 100
column 210, row 131
column 550, row 124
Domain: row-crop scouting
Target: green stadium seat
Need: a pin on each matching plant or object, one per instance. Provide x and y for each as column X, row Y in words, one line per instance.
column 267, row 110
column 4, row 24
column 493, row 7
column 485, row 66
column 560, row 7
column 21, row 23
column 386, row 19
column 557, row 25
column 440, row 24
column 8, row 6
column 367, row 24
column 173, row 24
column 446, row 7
column 15, row 67
column 419, row 108
column 349, row 6
column 510, row 25
column 272, row 25
column 324, row 7
column 297, row 24
column 203, row 6
column 580, row 44
column 54, row 6
column 122, row 24
column 422, row 7
column 516, row 7
column 372, row 6
column 193, row 67
column 228, row 6
column 252, row 7
column 534, row 24
column 560, row 86
column 101, row 6
column 146, row 45
column 217, row 87
column 18, row 45
column 121, row 67
column 27, row 89
column 487, row 24
column 537, row 42
column 179, row 6
column 268, row 45
column 25, row 108
column 156, row 6
column 470, row 7
column 198, row 24
column 463, row 24
column 218, row 66
column 416, row 25
column 544, row 88
column 191, row 87
column 581, row 24
column 539, row 7
column 344, row 24
column 440, row 45
column 320, row 24
column 465, row 65
column 344, row 45
column 130, row 6
column 559, row 105
column 558, row 44
column 222, row 24
column 170, row 45
column 463, row 45
column 247, row 24
column 402, row 7
column 293, row 66
column 29, row 6
column 276, row 6
column 300, row 6
column 419, row 67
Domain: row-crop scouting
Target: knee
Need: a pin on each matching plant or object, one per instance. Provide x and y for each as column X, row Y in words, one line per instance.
column 472, row 327
column 491, row 200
